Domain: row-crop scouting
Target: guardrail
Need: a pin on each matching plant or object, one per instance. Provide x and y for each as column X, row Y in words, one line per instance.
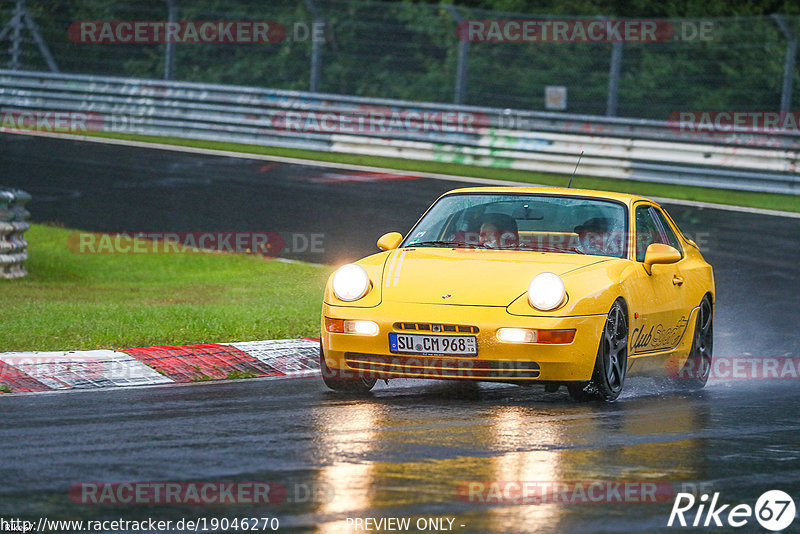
column 12, row 227
column 634, row 149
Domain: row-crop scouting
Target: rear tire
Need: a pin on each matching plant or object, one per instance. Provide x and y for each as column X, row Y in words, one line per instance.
column 335, row 380
column 611, row 364
column 694, row 374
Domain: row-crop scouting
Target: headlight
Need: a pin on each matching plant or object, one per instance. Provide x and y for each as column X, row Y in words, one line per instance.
column 546, row 291
column 350, row 282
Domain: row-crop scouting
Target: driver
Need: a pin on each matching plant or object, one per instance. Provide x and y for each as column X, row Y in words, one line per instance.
column 595, row 236
column 498, row 231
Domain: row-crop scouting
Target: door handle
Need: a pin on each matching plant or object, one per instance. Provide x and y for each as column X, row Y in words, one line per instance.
column 677, row 280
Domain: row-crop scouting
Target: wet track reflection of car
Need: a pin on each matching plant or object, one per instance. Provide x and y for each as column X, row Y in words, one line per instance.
column 411, row 450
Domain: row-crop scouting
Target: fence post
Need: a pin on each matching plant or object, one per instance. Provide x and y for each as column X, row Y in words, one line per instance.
column 16, row 34
column 463, row 57
column 20, row 16
column 316, row 50
column 169, row 53
column 613, row 79
column 789, row 63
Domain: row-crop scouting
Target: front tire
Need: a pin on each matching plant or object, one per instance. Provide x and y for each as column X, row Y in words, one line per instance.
column 611, row 364
column 335, row 379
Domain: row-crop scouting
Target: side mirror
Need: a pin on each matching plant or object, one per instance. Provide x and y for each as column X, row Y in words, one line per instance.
column 658, row 253
column 390, row 241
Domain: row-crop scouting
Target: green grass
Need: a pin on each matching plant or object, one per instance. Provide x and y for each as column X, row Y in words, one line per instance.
column 704, row 194
column 234, row 375
column 75, row 301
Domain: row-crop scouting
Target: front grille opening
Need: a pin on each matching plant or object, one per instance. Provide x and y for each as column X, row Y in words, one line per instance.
column 437, row 327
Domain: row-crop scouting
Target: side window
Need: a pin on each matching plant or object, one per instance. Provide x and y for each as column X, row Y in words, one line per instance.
column 652, row 227
column 646, row 231
column 672, row 239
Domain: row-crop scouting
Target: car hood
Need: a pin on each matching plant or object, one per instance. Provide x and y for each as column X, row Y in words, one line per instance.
column 477, row 277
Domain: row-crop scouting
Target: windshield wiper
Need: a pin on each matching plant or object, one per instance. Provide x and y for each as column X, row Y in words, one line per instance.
column 546, row 248
column 459, row 244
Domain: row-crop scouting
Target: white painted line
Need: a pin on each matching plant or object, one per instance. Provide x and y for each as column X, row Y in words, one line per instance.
column 289, row 260
column 349, row 166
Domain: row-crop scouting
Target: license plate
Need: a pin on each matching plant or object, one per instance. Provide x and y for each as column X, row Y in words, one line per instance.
column 422, row 344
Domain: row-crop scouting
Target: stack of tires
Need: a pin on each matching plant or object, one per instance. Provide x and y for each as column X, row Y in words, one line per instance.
column 13, row 217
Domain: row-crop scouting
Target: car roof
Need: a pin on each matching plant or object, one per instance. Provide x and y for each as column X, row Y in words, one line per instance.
column 625, row 198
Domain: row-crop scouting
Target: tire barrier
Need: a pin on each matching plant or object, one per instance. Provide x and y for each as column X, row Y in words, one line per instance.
column 13, row 225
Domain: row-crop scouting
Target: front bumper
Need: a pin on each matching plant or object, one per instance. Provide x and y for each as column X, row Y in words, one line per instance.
column 496, row 361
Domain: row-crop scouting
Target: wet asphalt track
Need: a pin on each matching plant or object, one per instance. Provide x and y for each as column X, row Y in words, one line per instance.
column 404, row 450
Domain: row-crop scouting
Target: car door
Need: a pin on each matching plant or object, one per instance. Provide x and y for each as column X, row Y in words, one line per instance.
column 658, row 319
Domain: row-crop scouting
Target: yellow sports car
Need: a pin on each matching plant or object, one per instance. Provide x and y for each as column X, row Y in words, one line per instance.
column 525, row 285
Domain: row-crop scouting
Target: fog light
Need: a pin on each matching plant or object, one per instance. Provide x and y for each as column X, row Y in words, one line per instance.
column 516, row 335
column 362, row 328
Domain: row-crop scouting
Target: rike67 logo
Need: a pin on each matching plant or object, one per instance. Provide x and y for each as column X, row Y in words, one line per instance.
column 774, row 510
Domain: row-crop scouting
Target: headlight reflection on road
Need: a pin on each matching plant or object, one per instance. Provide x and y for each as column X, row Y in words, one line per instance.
column 346, row 433
column 544, row 463
column 512, row 429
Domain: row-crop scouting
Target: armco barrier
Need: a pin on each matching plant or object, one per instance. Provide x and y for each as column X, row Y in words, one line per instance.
column 13, row 225
column 634, row 149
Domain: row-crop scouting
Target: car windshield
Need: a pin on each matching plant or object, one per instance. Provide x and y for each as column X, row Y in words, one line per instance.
column 533, row 222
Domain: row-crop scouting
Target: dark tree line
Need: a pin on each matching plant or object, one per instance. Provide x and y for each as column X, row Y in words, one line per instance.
column 410, row 50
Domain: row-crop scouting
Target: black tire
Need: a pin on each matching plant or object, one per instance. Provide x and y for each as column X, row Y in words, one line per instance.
column 334, row 380
column 611, row 364
column 695, row 371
